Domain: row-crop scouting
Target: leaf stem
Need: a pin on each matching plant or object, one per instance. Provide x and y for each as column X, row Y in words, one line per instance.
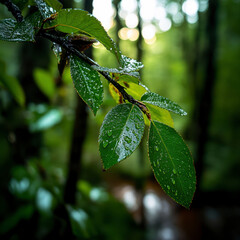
column 14, row 9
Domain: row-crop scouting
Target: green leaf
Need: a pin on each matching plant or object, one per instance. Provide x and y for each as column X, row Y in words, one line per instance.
column 55, row 4
column 118, row 71
column 45, row 82
column 13, row 86
column 172, row 163
column 74, row 21
column 48, row 7
column 120, row 133
column 160, row 115
column 162, row 102
column 129, row 67
column 87, row 83
column 11, row 30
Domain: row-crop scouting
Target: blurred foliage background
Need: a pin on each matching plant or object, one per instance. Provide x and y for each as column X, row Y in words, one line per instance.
column 51, row 179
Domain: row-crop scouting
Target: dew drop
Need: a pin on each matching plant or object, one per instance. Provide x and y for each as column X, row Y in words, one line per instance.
column 174, row 171
column 137, row 126
column 168, row 187
column 109, row 133
column 105, row 143
column 139, row 117
column 156, row 148
column 128, row 139
column 173, row 181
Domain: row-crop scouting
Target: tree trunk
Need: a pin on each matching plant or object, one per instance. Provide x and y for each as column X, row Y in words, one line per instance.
column 78, row 138
column 206, row 97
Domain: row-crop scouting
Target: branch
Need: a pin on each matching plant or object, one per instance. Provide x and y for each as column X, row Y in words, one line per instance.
column 71, row 49
column 14, row 9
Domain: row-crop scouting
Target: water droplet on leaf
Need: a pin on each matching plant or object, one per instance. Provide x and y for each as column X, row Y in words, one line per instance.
column 109, row 133
column 173, row 181
column 128, row 139
column 174, row 171
column 105, row 143
column 156, row 148
column 137, row 126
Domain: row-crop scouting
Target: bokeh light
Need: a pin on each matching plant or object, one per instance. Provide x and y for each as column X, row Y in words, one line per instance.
column 165, row 24
column 190, row 7
column 148, row 31
column 131, row 20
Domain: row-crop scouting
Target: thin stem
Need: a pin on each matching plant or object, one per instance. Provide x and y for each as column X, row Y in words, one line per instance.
column 71, row 49
column 14, row 9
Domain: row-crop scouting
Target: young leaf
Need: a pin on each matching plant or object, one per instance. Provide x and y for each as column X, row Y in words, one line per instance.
column 120, row 133
column 87, row 83
column 162, row 102
column 133, row 88
column 13, row 31
column 172, row 163
column 48, row 7
column 159, row 114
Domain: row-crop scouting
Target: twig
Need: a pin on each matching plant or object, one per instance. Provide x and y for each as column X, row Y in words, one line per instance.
column 71, row 49
column 14, row 9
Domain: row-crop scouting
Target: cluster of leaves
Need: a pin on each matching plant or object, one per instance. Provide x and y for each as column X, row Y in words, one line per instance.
column 74, row 30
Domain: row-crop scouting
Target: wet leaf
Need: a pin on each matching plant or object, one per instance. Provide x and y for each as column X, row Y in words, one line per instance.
column 120, row 133
column 13, row 31
column 172, row 163
column 75, row 21
column 48, row 7
column 55, row 4
column 162, row 102
column 87, row 83
column 128, row 66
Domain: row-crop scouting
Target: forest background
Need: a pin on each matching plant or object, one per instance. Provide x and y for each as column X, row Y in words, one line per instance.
column 190, row 50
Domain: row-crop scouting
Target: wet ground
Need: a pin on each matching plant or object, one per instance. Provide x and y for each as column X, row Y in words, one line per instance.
column 163, row 219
